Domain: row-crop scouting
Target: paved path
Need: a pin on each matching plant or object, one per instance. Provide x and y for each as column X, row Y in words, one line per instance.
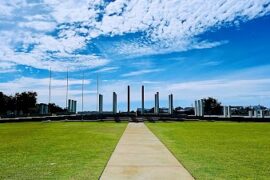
column 140, row 155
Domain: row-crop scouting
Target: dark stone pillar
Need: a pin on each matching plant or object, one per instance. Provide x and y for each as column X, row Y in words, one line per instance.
column 100, row 103
column 128, row 99
column 114, row 103
column 142, row 99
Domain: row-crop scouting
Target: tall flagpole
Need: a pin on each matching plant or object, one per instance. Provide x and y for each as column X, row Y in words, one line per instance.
column 82, row 90
column 67, row 92
column 50, row 86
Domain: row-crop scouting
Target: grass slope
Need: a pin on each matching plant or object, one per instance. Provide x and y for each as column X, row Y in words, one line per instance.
column 219, row 150
column 58, row 150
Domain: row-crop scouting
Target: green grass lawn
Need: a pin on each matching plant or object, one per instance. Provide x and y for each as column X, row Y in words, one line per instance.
column 219, row 150
column 57, row 150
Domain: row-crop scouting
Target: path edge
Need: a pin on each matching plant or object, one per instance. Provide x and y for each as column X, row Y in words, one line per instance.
column 112, row 153
column 170, row 151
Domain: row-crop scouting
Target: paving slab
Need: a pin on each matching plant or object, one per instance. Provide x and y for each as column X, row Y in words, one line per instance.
column 146, row 148
column 140, row 155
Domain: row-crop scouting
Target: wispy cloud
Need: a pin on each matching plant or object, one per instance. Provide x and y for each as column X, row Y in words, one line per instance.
column 211, row 63
column 48, row 52
column 107, row 69
column 24, row 83
column 7, row 67
column 141, row 72
column 38, row 25
column 41, row 86
column 230, row 91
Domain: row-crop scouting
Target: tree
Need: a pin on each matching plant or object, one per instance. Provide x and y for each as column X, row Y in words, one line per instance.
column 26, row 101
column 178, row 108
column 3, row 103
column 11, row 103
column 53, row 108
column 212, row 106
column 7, row 103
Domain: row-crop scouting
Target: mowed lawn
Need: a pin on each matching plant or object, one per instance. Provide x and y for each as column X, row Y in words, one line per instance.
column 219, row 150
column 57, row 150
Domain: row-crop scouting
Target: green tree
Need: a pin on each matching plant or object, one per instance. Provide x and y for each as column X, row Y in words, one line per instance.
column 53, row 108
column 3, row 103
column 26, row 101
column 212, row 106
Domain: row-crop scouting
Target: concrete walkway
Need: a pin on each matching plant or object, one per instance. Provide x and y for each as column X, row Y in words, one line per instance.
column 140, row 155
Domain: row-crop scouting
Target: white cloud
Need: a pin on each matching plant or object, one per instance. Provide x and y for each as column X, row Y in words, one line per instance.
column 211, row 63
column 5, row 10
column 29, row 42
column 7, row 67
column 174, row 23
column 37, row 17
column 227, row 90
column 38, row 25
column 61, row 58
column 230, row 91
column 59, row 63
column 41, row 86
column 107, row 69
column 70, row 10
column 25, row 83
column 135, row 48
column 11, row 70
column 141, row 72
column 165, row 26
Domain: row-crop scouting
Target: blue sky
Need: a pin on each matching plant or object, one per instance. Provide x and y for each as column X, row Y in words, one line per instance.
column 193, row 49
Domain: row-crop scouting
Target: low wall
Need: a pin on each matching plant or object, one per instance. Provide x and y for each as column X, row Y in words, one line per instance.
column 131, row 117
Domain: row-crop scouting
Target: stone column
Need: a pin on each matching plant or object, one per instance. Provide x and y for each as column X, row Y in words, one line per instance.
column 256, row 113
column 74, row 106
column 195, row 108
column 261, row 114
column 202, row 107
column 69, row 105
column 128, row 99
column 157, row 102
column 250, row 113
column 156, row 109
column 225, row 111
column 229, row 113
column 142, row 100
column 114, row 103
column 170, row 104
column 199, row 108
column 100, row 103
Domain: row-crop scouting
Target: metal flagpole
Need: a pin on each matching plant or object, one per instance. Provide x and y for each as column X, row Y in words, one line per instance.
column 82, row 90
column 50, row 86
column 97, row 90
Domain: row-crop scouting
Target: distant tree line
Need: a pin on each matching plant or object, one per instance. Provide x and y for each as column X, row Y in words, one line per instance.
column 24, row 103
column 213, row 107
